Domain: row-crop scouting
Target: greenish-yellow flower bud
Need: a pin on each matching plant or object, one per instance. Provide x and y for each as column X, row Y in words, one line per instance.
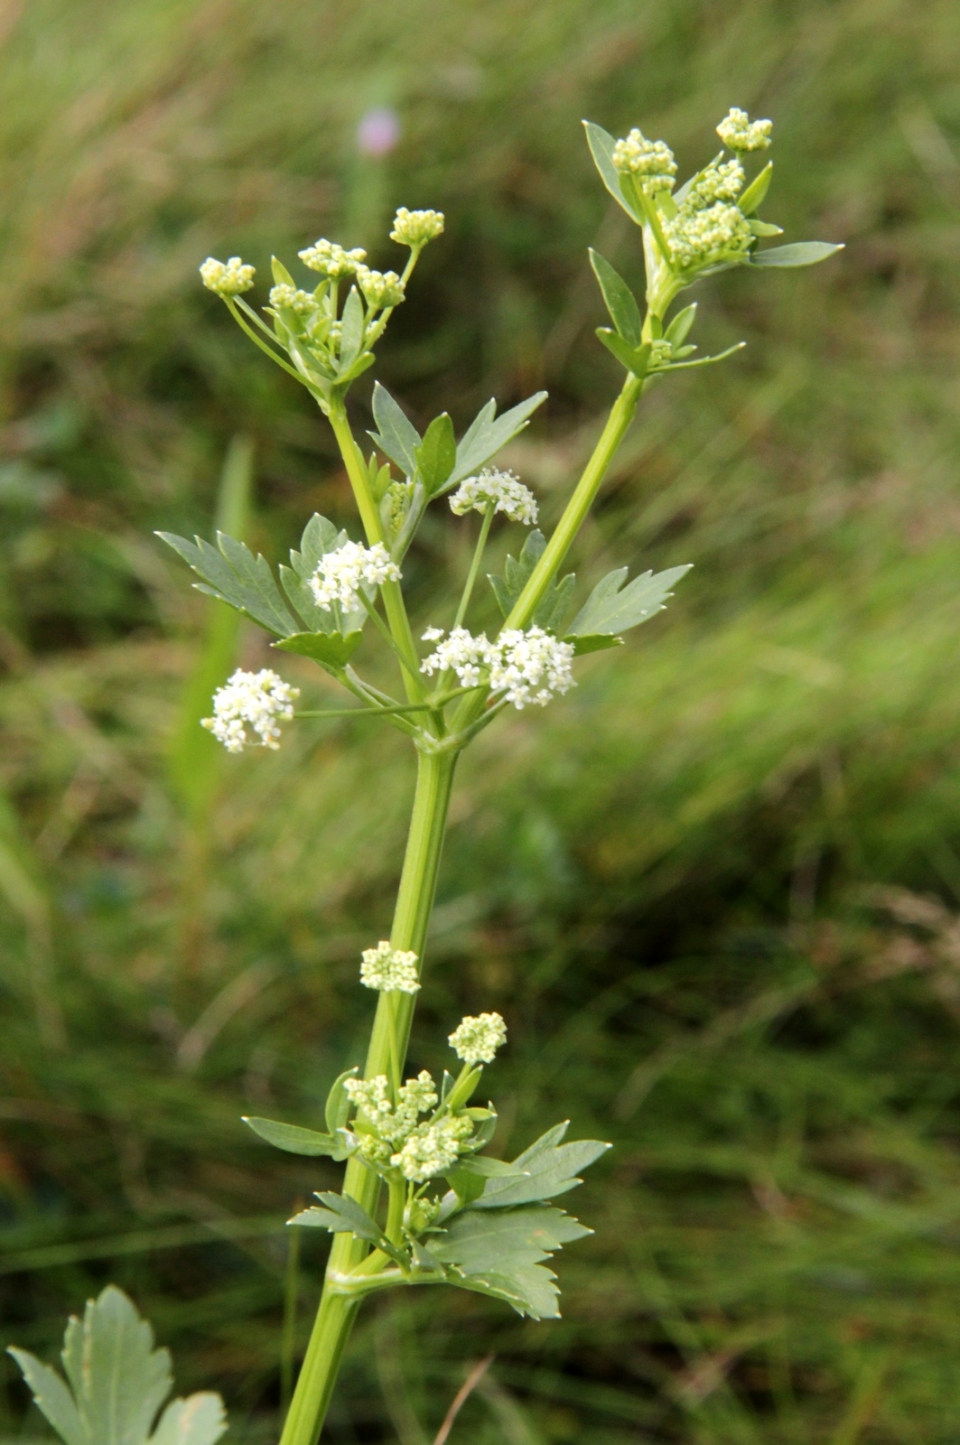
column 416, row 228
column 226, row 279
column 740, row 133
column 650, row 161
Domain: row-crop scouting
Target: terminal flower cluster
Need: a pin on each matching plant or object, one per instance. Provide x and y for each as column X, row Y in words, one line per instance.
column 390, row 970
column 504, row 491
column 739, row 133
column 477, row 1037
column 651, row 162
column 699, row 238
column 230, row 278
column 527, row 667
column 397, row 1137
column 341, row 575
column 380, row 288
column 416, row 228
column 332, row 261
column 256, row 700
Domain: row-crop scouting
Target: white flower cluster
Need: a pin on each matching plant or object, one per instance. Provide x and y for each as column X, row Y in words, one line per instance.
column 259, row 700
column 380, row 288
column 420, row 1150
column 304, row 303
column 331, row 260
column 391, row 970
column 740, row 133
column 504, row 490
column 341, row 574
column 706, row 237
column 477, row 1037
column 719, row 181
column 651, row 161
column 416, row 228
column 527, row 667
column 227, row 279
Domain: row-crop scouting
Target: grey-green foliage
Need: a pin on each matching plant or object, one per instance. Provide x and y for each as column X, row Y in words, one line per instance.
column 116, row 1383
column 613, row 608
column 516, row 573
column 232, row 574
column 502, row 1254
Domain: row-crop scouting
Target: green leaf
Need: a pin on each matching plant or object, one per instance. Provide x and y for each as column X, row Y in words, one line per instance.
column 331, row 649
column 198, row 1420
column 679, row 328
column 337, row 1109
column 488, row 433
column 612, row 608
column 753, row 196
column 516, row 573
column 294, row 1140
column 501, row 1254
column 635, row 359
column 351, row 333
column 551, row 1167
column 619, row 299
column 466, row 1185
column 397, row 438
column 593, row 642
column 437, row 454
column 344, row 1215
column 601, row 145
column 117, row 1383
column 765, row 228
column 363, row 363
column 235, row 576
column 281, row 276
column 800, row 253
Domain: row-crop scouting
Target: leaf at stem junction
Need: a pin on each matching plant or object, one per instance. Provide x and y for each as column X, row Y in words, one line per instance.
column 351, row 333
column 799, row 253
column 619, row 299
column 488, row 433
column 295, row 1140
column 331, row 649
column 636, row 359
column 233, row 575
column 437, row 454
column 752, row 198
column 517, row 572
column 501, row 1254
column 337, row 1108
column 117, row 1383
column 550, row 1166
column 601, row 145
column 613, row 608
column 397, row 437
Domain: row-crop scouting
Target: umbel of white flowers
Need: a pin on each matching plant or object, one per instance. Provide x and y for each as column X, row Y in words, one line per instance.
column 390, row 970
column 341, row 575
column 257, row 700
column 526, row 667
column 503, row 491
column 477, row 1037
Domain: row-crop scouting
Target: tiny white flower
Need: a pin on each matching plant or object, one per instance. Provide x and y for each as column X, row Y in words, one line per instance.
column 331, row 260
column 531, row 667
column 651, row 161
column 340, row 575
column 432, row 1149
column 721, row 181
column 477, row 1037
column 258, row 700
column 391, row 970
column 432, row 634
column 740, row 133
column 503, row 489
column 372, row 1096
column 226, row 279
column 416, row 228
column 380, row 288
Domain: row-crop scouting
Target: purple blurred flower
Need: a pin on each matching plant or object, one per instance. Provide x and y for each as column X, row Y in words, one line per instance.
column 378, row 131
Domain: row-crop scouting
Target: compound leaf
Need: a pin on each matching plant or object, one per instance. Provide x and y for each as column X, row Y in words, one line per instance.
column 799, row 253
column 612, row 608
column 551, row 1168
column 235, row 576
column 501, row 1254
column 619, row 299
column 488, row 433
column 117, row 1383
column 517, row 572
column 397, row 438
column 332, row 650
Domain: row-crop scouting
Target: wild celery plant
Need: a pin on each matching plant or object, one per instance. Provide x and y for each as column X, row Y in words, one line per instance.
column 421, row 1202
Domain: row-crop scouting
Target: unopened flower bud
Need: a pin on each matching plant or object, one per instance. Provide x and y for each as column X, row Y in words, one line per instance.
column 227, row 279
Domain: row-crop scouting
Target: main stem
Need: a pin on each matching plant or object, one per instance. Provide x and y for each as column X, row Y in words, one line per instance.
column 388, row 1042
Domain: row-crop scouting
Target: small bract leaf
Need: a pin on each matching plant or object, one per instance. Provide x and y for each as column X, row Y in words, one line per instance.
column 635, row 359
column 800, row 253
column 351, row 333
column 293, row 1139
column 331, row 649
column 397, row 438
column 601, row 145
column 337, row 1109
column 752, row 198
column 679, row 328
column 487, row 434
column 437, row 454
column 619, row 299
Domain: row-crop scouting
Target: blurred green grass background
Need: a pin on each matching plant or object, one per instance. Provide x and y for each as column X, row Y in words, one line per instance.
column 712, row 891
